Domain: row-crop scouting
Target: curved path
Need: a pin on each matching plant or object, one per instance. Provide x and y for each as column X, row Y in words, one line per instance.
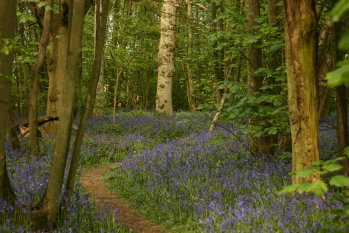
column 92, row 180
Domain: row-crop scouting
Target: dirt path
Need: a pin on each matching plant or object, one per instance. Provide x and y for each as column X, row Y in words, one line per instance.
column 92, row 180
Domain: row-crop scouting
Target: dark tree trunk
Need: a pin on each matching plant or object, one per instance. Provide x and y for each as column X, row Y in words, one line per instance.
column 7, row 31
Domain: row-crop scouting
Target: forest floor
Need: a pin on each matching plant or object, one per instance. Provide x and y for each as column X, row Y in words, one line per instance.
column 92, row 180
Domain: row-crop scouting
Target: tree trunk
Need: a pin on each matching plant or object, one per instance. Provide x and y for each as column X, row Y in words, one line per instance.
column 327, row 62
column 301, row 57
column 34, row 86
column 51, row 200
column 342, row 123
column 12, row 133
column 56, row 67
column 166, row 67
column 102, row 7
column 262, row 144
column 190, row 82
column 7, row 31
column 100, row 95
column 341, row 102
column 217, row 58
column 116, row 87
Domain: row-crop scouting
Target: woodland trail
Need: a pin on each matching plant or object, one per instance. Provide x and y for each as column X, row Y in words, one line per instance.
column 91, row 179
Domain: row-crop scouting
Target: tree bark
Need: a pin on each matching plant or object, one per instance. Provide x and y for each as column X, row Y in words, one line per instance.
column 262, row 144
column 342, row 123
column 102, row 7
column 217, row 58
column 34, row 86
column 12, row 132
column 7, row 31
column 327, row 62
column 341, row 101
column 166, row 67
column 100, row 95
column 51, row 202
column 301, row 59
column 116, row 87
column 190, row 81
column 59, row 39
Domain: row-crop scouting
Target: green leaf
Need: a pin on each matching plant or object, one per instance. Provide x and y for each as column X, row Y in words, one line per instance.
column 289, row 189
column 338, row 77
column 332, row 167
column 346, row 150
column 318, row 187
column 260, row 72
column 339, row 181
column 344, row 41
column 306, row 172
column 304, row 187
column 339, row 10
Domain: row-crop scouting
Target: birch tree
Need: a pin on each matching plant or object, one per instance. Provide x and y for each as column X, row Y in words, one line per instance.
column 166, row 66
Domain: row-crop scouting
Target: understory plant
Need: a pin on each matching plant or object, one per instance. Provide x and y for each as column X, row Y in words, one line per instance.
column 29, row 176
column 208, row 183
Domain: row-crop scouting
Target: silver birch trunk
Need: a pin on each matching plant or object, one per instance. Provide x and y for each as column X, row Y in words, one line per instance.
column 166, row 67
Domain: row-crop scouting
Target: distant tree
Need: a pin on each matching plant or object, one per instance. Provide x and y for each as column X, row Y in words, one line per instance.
column 218, row 53
column 254, row 54
column 301, row 61
column 166, row 67
column 100, row 95
column 190, row 81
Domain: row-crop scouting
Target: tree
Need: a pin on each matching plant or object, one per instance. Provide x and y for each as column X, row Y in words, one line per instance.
column 101, row 17
column 59, row 39
column 190, row 82
column 34, row 87
column 166, row 67
column 48, row 209
column 7, row 33
column 301, row 58
column 254, row 54
column 100, row 95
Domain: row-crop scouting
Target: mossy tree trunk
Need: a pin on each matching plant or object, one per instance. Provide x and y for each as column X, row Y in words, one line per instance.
column 34, row 86
column 301, row 59
column 102, row 9
column 166, row 68
column 47, row 212
column 59, row 39
column 7, row 31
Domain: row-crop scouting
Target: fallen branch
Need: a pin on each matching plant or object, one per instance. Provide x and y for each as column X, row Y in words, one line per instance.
column 24, row 128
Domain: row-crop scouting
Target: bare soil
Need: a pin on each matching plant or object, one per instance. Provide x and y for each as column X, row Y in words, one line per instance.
column 92, row 180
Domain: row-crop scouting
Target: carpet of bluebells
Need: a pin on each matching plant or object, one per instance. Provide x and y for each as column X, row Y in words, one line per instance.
column 180, row 175
column 202, row 182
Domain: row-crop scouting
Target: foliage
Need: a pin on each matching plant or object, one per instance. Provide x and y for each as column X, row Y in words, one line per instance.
column 331, row 179
column 340, row 75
